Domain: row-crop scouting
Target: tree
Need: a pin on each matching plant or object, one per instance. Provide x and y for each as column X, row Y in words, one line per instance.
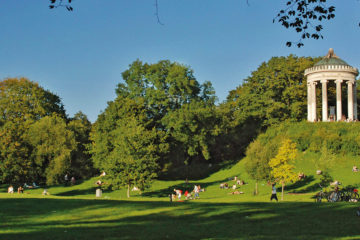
column 281, row 167
column 176, row 103
column 133, row 162
column 15, row 163
column 193, row 127
column 81, row 164
column 22, row 102
column 52, row 146
column 124, row 145
column 257, row 162
column 275, row 92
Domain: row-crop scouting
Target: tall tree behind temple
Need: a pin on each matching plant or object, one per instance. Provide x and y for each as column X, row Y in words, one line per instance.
column 275, row 92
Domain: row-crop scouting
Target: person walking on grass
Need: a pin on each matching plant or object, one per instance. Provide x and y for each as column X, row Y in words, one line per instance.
column 273, row 193
column 196, row 191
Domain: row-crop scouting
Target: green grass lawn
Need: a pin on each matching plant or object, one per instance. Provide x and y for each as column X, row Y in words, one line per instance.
column 74, row 213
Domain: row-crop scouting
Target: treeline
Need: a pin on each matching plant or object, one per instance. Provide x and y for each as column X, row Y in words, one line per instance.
column 163, row 123
column 38, row 142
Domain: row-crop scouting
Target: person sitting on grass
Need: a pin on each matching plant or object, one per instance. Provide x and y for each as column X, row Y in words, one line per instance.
column 11, row 189
column 355, row 169
column 224, row 185
column 187, row 195
column 98, row 183
column 73, row 181
column 236, row 193
column 178, row 193
column 20, row 189
column 301, row 176
column 45, row 192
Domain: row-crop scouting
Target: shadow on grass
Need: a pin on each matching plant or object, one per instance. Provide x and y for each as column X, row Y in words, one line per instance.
column 183, row 186
column 77, row 192
column 105, row 219
column 304, row 182
column 195, row 172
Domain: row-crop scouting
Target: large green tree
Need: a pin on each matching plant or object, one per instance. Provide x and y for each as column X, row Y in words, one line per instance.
column 37, row 143
column 22, row 100
column 257, row 161
column 52, row 145
column 273, row 93
column 81, row 163
column 276, row 91
column 22, row 103
column 126, row 145
column 15, row 163
column 164, row 97
column 176, row 103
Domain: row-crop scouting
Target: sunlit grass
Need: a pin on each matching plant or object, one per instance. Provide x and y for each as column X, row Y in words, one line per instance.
column 73, row 212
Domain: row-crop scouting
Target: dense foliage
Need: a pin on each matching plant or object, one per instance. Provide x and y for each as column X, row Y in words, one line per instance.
column 36, row 143
column 275, row 92
column 330, row 141
column 164, row 114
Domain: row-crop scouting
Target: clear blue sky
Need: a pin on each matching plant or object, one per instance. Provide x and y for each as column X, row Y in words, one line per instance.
column 80, row 55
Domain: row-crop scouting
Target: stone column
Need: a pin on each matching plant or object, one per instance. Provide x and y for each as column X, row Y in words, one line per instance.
column 309, row 118
column 350, row 101
column 313, row 101
column 355, row 101
column 324, row 101
column 338, row 100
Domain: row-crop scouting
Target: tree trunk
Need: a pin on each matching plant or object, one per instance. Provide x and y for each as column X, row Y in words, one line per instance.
column 282, row 191
column 256, row 188
column 128, row 191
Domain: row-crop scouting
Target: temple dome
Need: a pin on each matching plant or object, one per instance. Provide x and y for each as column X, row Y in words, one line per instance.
column 331, row 59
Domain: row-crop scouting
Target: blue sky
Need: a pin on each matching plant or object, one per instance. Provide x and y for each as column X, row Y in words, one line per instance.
column 80, row 55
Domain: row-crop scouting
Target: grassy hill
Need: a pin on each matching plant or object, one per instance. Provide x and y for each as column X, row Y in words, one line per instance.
column 73, row 212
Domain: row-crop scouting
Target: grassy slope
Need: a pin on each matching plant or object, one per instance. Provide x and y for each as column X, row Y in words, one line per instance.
column 74, row 213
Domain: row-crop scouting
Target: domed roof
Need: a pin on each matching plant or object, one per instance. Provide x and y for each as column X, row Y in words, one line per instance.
column 331, row 59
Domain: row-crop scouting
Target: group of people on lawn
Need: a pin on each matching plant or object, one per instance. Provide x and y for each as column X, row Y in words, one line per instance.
column 187, row 194
column 20, row 189
column 234, row 186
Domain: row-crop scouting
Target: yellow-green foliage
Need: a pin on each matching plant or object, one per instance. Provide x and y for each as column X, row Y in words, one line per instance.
column 281, row 165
